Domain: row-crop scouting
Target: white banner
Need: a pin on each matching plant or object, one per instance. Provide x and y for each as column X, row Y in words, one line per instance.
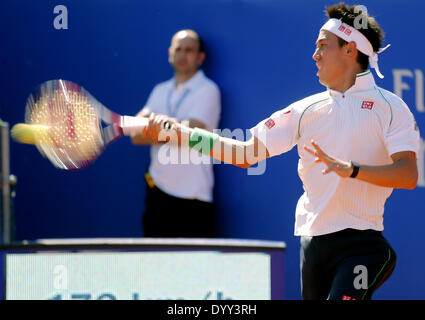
column 139, row 276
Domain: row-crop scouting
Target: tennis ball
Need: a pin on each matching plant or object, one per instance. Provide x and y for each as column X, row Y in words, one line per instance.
column 29, row 133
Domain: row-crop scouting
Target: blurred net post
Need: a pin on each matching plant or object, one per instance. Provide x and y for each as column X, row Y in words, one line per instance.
column 8, row 182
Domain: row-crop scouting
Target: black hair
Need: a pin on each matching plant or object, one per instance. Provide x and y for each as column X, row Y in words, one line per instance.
column 349, row 15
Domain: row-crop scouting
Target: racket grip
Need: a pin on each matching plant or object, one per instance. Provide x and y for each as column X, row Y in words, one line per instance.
column 133, row 125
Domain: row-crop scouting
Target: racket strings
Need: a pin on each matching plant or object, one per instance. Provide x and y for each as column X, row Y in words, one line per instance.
column 74, row 138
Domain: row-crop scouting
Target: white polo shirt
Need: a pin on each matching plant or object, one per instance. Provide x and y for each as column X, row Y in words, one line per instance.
column 365, row 124
column 184, row 172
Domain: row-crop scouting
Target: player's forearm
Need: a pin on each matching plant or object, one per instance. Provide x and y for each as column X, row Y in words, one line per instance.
column 232, row 152
column 226, row 150
column 401, row 174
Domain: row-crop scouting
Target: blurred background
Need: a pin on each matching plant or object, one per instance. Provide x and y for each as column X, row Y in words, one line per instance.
column 259, row 52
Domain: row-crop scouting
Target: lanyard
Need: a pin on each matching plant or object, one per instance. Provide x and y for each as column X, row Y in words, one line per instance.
column 179, row 102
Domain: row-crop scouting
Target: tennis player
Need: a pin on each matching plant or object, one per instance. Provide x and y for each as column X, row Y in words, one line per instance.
column 356, row 143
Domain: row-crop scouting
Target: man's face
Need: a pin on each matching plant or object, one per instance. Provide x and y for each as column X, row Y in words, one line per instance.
column 330, row 59
column 184, row 53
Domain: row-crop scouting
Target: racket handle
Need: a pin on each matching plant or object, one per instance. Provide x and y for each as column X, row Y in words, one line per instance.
column 133, row 125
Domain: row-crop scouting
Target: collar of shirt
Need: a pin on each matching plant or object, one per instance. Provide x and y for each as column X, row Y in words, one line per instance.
column 364, row 81
column 188, row 84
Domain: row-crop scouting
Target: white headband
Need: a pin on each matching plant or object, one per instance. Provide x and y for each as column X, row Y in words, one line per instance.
column 348, row 33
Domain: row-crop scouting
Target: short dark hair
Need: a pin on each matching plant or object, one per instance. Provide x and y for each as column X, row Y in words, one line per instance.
column 373, row 32
column 201, row 44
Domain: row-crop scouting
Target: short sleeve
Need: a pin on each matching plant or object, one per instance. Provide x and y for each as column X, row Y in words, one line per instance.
column 151, row 103
column 207, row 106
column 403, row 132
column 278, row 132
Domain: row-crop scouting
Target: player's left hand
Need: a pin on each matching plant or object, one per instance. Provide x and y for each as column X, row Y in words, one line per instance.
column 342, row 168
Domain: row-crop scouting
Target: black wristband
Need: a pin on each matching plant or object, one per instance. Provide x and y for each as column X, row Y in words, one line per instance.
column 356, row 169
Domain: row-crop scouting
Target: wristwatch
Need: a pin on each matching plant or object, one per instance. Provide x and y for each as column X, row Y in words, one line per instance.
column 356, row 168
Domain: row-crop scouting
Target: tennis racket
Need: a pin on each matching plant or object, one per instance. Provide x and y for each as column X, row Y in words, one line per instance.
column 64, row 121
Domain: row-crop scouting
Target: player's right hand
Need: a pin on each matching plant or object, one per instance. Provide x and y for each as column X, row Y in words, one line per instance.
column 156, row 130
